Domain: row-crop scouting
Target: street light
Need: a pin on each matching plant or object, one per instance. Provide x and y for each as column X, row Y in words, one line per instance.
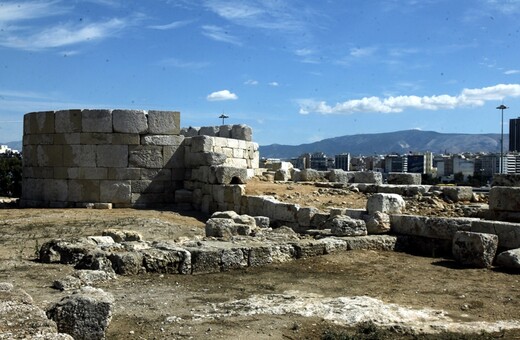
column 501, row 167
column 223, row 116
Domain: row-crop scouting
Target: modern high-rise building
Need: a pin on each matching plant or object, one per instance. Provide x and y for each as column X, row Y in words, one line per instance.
column 514, row 135
column 342, row 161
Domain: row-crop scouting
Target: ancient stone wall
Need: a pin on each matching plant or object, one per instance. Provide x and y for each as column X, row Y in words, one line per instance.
column 128, row 158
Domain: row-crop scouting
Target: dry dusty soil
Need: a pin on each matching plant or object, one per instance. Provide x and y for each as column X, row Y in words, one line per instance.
column 302, row 299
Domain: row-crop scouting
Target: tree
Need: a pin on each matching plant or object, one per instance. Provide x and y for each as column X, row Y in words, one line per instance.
column 11, row 174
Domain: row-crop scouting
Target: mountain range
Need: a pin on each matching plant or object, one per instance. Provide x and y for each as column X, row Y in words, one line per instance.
column 399, row 142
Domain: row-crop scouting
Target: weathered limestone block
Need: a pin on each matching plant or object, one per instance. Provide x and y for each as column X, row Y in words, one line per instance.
column 430, row 227
column 285, row 212
column 164, row 140
column 509, row 259
column 96, row 121
column 67, row 121
column 211, row 131
column 319, row 220
column 506, row 180
column 230, row 175
column 342, row 225
column 242, row 132
column 50, row 155
column 126, row 139
column 202, row 144
column 236, row 162
column 167, row 259
column 226, row 228
column 307, row 175
column 79, row 155
column 308, row 248
column 377, row 223
column 504, row 198
column 130, row 121
column 40, row 139
column 474, row 249
column 164, row 122
column 91, row 277
column 368, row 177
column 458, row 194
column 371, row 242
column 404, row 178
column 262, row 221
column 124, row 173
column 55, row 189
column 240, row 219
column 282, row 175
column 127, row 263
column 39, row 122
column 225, row 131
column 112, row 156
column 386, row 203
column 67, row 138
column 508, row 233
column 123, row 235
column 68, row 282
column 234, row 258
column 340, row 176
column 403, row 190
column 204, row 259
column 96, row 138
column 115, row 191
column 66, row 252
column 83, row 190
column 148, row 156
column 96, row 260
column 183, row 196
column 305, row 215
column 20, row 318
column 333, row 244
column 86, row 314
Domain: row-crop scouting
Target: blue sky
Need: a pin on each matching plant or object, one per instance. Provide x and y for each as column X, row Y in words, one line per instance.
column 295, row 71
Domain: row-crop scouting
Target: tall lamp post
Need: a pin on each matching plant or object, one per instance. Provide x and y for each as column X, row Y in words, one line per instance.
column 501, row 168
column 223, row 116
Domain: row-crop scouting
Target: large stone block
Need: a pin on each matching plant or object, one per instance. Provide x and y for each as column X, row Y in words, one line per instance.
column 164, row 122
column 242, row 132
column 67, row 138
column 114, row 156
column 430, row 227
column 145, row 156
column 126, row 139
column 209, row 131
column 96, row 121
column 39, row 122
column 385, row 203
column 404, row 178
column 79, row 155
column 39, row 139
column 130, row 121
column 124, row 173
column 115, row 191
column 457, row 194
column 170, row 140
column 508, row 233
column 341, row 176
column 91, row 138
column 230, row 175
column 474, row 249
column 50, row 155
column 93, row 173
column 83, row 190
column 342, row 225
column 504, row 198
column 67, row 121
column 368, row 177
column 225, row 131
column 173, row 157
column 202, row 144
column 33, row 189
column 509, row 259
column 85, row 314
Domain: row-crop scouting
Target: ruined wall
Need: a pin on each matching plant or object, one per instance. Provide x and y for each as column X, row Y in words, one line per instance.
column 130, row 158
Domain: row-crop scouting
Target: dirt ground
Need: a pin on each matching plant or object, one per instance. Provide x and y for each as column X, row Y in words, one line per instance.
column 155, row 306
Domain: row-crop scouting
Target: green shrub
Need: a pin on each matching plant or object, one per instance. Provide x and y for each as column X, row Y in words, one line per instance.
column 10, row 174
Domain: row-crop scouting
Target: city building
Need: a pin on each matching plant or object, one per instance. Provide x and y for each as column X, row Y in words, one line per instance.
column 342, row 161
column 514, row 135
column 396, row 163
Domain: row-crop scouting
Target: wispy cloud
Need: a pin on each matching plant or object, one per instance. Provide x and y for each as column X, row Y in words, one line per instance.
column 221, row 96
column 251, row 82
column 468, row 97
column 24, row 10
column 219, row 34
column 512, row 72
column 363, row 52
column 170, row 26
column 63, row 35
column 174, row 62
column 505, row 6
column 274, row 84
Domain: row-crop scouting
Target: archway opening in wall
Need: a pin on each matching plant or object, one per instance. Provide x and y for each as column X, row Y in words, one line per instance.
column 236, row 180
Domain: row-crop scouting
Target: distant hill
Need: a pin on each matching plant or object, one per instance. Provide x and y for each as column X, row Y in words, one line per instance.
column 13, row 145
column 391, row 142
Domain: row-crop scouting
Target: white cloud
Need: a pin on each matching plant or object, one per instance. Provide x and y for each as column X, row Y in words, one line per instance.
column 173, row 25
column 362, row 52
column 63, row 35
column 18, row 10
column 468, row 97
column 219, row 34
column 221, row 95
column 511, row 72
column 251, row 82
column 274, row 83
